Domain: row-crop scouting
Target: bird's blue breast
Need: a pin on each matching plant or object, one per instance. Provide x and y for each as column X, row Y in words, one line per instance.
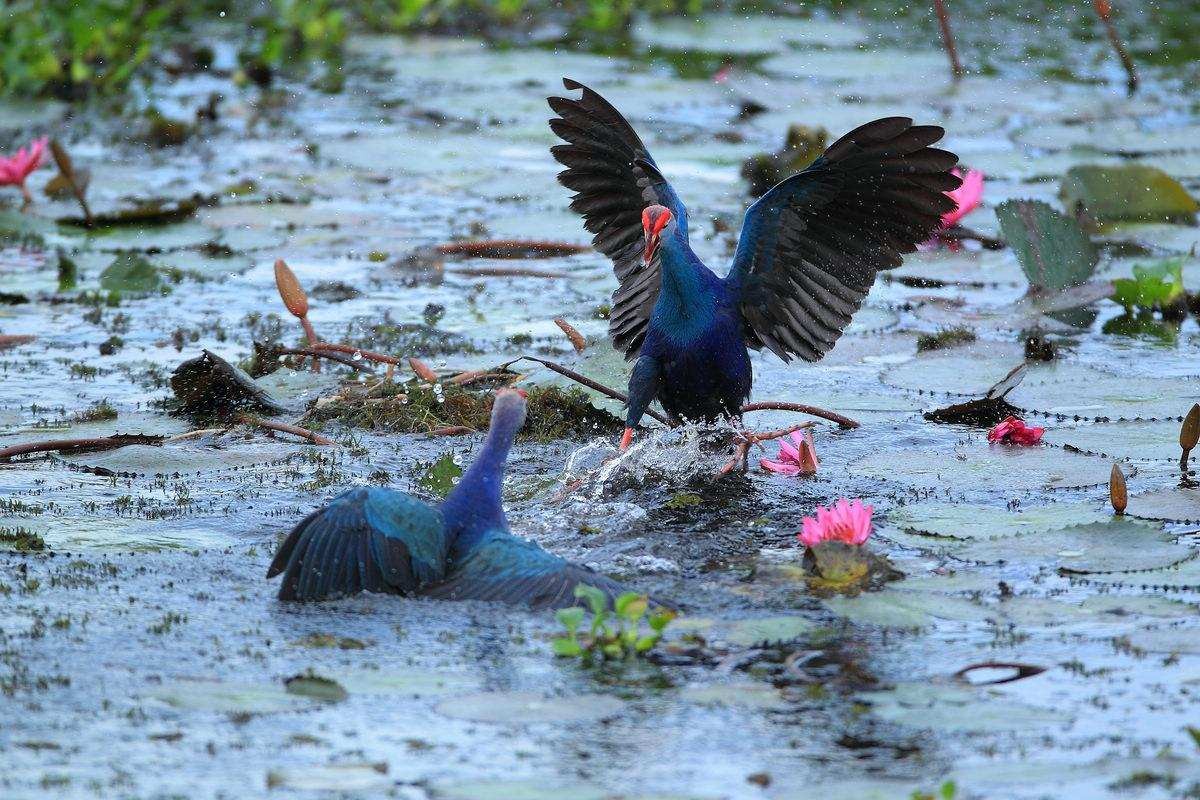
column 706, row 376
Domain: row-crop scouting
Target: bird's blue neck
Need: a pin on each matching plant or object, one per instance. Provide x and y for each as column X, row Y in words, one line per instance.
column 474, row 506
column 685, row 305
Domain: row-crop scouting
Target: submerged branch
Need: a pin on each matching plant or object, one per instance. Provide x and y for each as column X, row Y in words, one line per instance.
column 283, row 427
column 948, row 39
column 79, row 445
column 774, row 405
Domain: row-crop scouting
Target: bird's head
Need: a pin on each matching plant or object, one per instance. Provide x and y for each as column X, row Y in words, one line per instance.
column 655, row 220
column 508, row 412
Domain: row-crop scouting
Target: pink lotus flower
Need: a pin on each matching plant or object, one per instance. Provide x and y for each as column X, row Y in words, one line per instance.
column 1015, row 431
column 797, row 457
column 847, row 522
column 15, row 169
column 967, row 196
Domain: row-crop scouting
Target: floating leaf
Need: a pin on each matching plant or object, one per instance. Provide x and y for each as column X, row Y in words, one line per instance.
column 1143, row 440
column 441, row 476
column 527, row 707
column 1126, row 193
column 958, row 709
column 130, row 273
column 771, row 630
column 518, row 790
column 316, row 687
column 1177, row 504
column 228, row 697
column 210, row 385
column 966, row 521
column 176, row 460
column 1152, row 287
column 337, row 778
column 985, row 467
column 1052, row 249
column 1117, row 545
column 738, row 695
column 900, row 608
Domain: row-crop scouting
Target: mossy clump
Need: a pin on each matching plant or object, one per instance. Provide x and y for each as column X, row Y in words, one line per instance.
column 101, row 411
column 419, row 407
column 947, row 337
column 22, row 540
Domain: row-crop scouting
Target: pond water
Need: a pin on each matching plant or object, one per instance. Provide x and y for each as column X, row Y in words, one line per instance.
column 143, row 655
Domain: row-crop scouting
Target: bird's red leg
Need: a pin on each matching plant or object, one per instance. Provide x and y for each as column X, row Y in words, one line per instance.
column 626, row 438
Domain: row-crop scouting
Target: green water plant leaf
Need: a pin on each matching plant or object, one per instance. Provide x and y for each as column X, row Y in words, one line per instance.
column 316, row 687
column 441, row 476
column 1152, row 287
column 967, row 521
column 1117, row 545
column 130, row 273
column 1126, row 193
column 1052, row 249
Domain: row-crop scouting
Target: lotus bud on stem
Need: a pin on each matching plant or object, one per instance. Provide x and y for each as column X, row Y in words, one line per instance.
column 1189, row 434
column 296, row 302
column 1118, row 495
column 577, row 340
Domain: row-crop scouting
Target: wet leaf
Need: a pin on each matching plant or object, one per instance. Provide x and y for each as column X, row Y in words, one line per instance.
column 959, row 709
column 208, row 385
column 518, row 790
column 177, row 460
column 1152, row 287
column 316, row 687
column 1116, row 545
column 771, row 630
column 130, row 273
column 441, row 476
column 228, row 697
column 985, row 467
column 1052, row 249
column 1177, row 504
column 899, row 608
column 736, row 695
column 518, row 708
column 1127, row 192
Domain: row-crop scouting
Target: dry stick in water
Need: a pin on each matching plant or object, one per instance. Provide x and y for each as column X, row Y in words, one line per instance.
column 948, row 39
column 322, row 353
column 296, row 302
column 577, row 340
column 1118, row 495
column 588, row 382
column 283, row 427
column 1104, row 11
column 452, row 430
column 510, row 248
column 422, row 370
column 79, row 445
column 67, row 170
column 812, row 411
column 369, row 355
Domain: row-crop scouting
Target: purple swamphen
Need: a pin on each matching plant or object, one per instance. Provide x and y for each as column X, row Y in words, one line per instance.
column 808, row 253
column 383, row 540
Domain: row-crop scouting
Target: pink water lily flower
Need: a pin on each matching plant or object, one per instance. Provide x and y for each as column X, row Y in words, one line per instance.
column 796, row 457
column 967, row 196
column 15, row 169
column 1015, row 431
column 847, row 521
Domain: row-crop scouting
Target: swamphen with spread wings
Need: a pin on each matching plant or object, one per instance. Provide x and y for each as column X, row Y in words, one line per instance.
column 383, row 540
column 808, row 253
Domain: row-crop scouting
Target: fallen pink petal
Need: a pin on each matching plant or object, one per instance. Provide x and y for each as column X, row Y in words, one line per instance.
column 15, row 169
column 1014, row 431
column 796, row 457
column 846, row 521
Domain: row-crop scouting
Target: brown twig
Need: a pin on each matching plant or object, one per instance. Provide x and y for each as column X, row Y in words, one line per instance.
column 79, row 445
column 507, row 272
column 321, row 353
column 510, row 248
column 477, row 375
column 369, row 355
column 948, row 39
column 283, row 427
column 747, row 439
column 452, row 430
column 577, row 340
column 67, row 170
column 588, row 382
column 14, row 339
column 773, row 405
column 422, row 370
column 1104, row 11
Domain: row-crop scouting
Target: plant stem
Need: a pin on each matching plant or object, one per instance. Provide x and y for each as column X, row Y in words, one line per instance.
column 79, row 445
column 283, row 427
column 588, row 382
column 774, row 405
column 1104, row 11
column 948, row 39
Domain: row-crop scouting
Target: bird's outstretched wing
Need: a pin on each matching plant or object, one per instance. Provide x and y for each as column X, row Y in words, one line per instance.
column 614, row 178
column 811, row 246
column 507, row 569
column 366, row 539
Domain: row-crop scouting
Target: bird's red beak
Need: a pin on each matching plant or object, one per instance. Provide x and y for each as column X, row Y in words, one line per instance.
column 654, row 219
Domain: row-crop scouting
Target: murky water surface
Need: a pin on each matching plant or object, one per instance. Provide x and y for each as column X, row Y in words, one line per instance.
column 145, row 656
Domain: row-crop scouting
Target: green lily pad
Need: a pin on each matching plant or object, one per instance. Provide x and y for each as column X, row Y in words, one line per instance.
column 899, row 608
column 1167, row 640
column 1177, row 504
column 983, row 466
column 316, row 687
column 1103, row 609
column 1052, row 249
column 519, row 708
column 407, row 683
column 338, row 778
column 958, row 709
column 517, row 790
column 1119, row 545
column 1119, row 137
column 968, row 370
column 231, row 698
column 1126, row 193
column 177, row 460
column 736, row 695
column 749, row 632
column 130, row 273
column 1142, row 440
column 122, row 534
column 741, row 34
column 967, row 521
column 1077, row 391
column 1181, row 576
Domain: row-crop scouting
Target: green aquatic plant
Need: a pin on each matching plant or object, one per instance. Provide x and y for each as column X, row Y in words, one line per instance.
column 1153, row 287
column 440, row 476
column 613, row 634
column 947, row 791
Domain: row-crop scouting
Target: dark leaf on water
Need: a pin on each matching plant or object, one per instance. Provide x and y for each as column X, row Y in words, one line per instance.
column 1051, row 248
column 208, row 385
column 1130, row 192
column 441, row 475
column 986, row 411
column 130, row 273
column 316, row 687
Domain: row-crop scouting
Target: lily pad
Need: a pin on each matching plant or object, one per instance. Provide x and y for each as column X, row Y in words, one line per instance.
column 749, row 632
column 737, row 695
column 1126, row 193
column 899, row 608
column 316, row 687
column 130, row 273
column 1181, row 576
column 1177, row 504
column 407, row 683
column 338, row 778
column 1167, row 640
column 519, row 708
column 177, row 460
column 958, row 709
column 741, row 34
column 1052, row 249
column 1142, row 440
column 1119, row 545
column 983, row 466
column 1086, row 393
column 967, row 521
column 517, row 790
column 968, row 370
column 232, row 698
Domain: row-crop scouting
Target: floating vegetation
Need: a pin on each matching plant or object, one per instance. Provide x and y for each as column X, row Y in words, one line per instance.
column 420, row 407
column 610, row 635
column 22, row 540
column 946, row 337
column 1126, row 193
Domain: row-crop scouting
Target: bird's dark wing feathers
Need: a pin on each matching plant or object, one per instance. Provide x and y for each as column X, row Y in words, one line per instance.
column 811, row 246
column 364, row 540
column 508, row 569
column 614, row 178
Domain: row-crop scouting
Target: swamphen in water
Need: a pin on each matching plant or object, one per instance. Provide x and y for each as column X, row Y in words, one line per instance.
column 808, row 253
column 383, row 540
